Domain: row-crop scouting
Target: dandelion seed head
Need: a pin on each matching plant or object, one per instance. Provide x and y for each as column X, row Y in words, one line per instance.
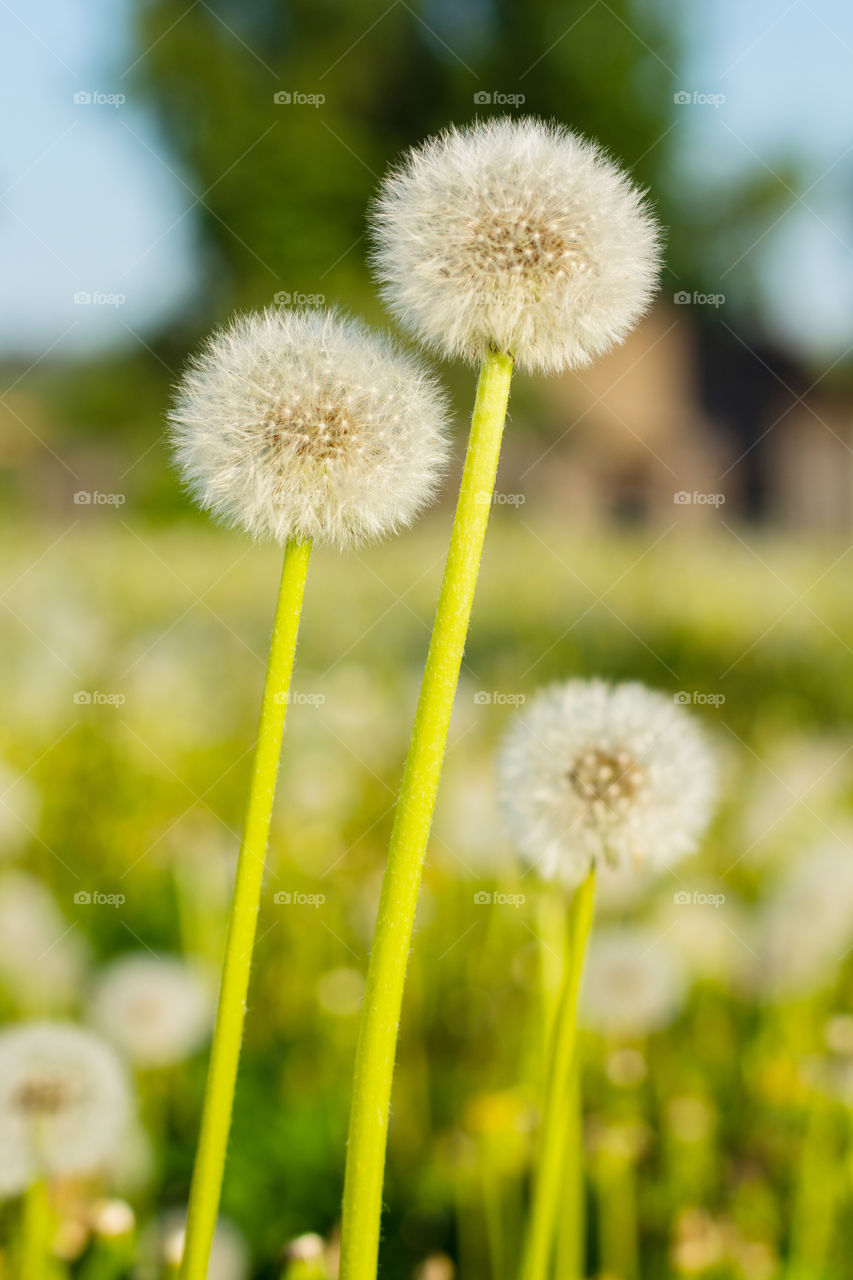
column 161, row 1246
column 593, row 773
column 64, row 1103
column 805, row 927
column 42, row 962
column 156, row 1009
column 306, row 424
column 516, row 235
column 633, row 983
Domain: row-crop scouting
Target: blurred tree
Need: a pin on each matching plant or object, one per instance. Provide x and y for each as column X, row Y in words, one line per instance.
column 283, row 185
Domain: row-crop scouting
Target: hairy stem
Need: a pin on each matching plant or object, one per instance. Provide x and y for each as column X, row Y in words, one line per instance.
column 225, row 1051
column 557, row 1113
column 374, row 1064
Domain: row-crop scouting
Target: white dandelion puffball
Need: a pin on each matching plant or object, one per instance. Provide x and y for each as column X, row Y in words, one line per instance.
column 42, row 961
column 593, row 772
column 805, row 929
column 19, row 809
column 156, row 1009
column 633, row 982
column 64, row 1103
column 308, row 425
column 519, row 236
column 161, row 1247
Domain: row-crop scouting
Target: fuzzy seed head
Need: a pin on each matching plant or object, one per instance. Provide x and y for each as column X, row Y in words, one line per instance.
column 64, row 1103
column 634, row 982
column 519, row 236
column 596, row 773
column 156, row 1009
column 805, row 927
column 308, row 425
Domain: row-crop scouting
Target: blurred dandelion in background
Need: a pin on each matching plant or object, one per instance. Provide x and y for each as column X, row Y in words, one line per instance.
column 156, row 1009
column 65, row 1103
column 634, row 982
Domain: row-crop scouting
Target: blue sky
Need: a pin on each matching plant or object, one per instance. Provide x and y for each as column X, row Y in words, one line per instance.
column 89, row 208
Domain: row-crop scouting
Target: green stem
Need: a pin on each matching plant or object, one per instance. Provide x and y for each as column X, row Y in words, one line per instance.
column 374, row 1063
column 36, row 1231
column 225, row 1050
column 556, row 1116
column 571, row 1226
column 816, row 1194
column 617, row 1216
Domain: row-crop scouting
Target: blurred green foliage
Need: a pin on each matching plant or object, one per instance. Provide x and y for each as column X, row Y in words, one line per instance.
column 146, row 799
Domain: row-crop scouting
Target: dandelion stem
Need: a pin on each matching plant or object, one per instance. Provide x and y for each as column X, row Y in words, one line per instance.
column 374, row 1063
column 571, row 1227
column 556, row 1116
column 225, row 1051
column 36, row 1231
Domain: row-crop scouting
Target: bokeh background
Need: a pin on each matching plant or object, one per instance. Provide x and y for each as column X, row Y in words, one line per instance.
column 678, row 513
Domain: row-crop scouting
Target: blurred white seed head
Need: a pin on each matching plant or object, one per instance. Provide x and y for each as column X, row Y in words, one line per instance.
column 805, row 928
column 112, row 1219
column 306, row 424
column 309, row 1247
column 42, row 963
column 633, row 983
column 516, row 235
column 19, row 810
column 593, row 772
column 162, row 1246
column 64, row 1103
column 156, row 1009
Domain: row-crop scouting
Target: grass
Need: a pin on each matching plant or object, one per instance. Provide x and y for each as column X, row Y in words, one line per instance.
column 145, row 799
